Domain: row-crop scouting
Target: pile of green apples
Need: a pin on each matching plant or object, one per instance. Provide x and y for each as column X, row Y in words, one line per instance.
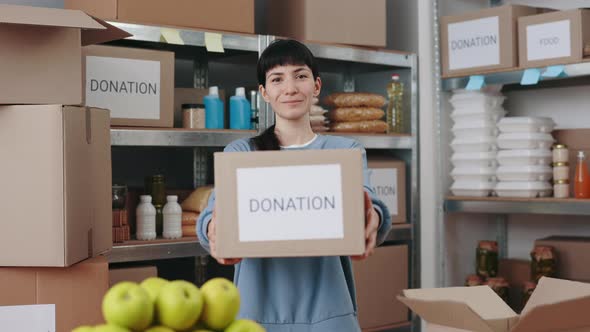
column 159, row 305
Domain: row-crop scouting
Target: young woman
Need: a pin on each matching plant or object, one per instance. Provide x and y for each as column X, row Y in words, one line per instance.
column 308, row 293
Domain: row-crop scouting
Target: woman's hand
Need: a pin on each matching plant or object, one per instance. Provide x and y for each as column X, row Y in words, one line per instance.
column 371, row 227
column 211, row 236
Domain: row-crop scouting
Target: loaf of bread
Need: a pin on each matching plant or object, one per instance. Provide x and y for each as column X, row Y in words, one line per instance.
column 189, row 218
column 374, row 126
column 189, row 230
column 317, row 110
column 197, row 200
column 354, row 99
column 348, row 114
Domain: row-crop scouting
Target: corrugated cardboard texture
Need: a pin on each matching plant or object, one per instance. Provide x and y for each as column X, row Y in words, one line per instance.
column 508, row 16
column 225, row 15
column 579, row 32
column 330, row 21
column 573, row 255
column 400, row 166
column 378, row 280
column 134, row 274
column 576, row 140
column 189, row 96
column 516, row 272
column 166, row 60
column 104, row 9
column 228, row 243
column 76, row 291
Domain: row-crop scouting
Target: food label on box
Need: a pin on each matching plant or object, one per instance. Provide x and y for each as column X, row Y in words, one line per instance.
column 30, row 318
column 548, row 40
column 384, row 183
column 474, row 43
column 290, row 203
column 129, row 88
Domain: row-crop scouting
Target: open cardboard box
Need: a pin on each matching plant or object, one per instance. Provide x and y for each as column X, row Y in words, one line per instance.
column 555, row 305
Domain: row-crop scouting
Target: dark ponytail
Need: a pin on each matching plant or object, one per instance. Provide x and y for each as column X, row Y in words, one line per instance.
column 268, row 140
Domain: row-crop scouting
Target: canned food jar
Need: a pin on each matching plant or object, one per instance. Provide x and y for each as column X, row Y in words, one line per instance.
column 473, row 280
column 487, row 259
column 500, row 286
column 561, row 189
column 543, row 262
column 561, row 171
column 193, row 116
column 560, row 153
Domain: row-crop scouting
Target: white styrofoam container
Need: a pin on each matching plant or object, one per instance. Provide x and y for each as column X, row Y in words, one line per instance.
column 474, row 144
column 523, row 189
column 475, row 128
column 524, row 124
column 524, row 173
column 460, row 115
column 475, row 99
column 472, row 188
column 474, row 159
column 472, row 173
column 525, row 141
column 524, row 157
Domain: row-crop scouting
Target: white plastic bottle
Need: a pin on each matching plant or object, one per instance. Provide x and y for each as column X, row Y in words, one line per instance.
column 146, row 219
column 172, row 218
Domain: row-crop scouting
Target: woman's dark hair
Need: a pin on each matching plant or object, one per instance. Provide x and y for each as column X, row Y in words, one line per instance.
column 280, row 52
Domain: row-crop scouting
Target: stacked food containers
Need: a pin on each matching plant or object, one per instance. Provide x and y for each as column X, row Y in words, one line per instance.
column 475, row 115
column 524, row 157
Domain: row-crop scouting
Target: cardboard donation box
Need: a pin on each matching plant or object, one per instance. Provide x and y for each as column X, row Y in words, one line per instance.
column 378, row 279
column 573, row 255
column 481, row 41
column 289, row 203
column 56, row 160
column 53, row 299
column 554, row 38
column 135, row 274
column 388, row 178
column 555, row 305
column 330, row 21
column 41, row 54
column 136, row 85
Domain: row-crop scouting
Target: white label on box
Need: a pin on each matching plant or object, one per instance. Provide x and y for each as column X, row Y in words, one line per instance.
column 30, row 318
column 474, row 43
column 384, row 183
column 129, row 88
column 290, row 203
column 548, row 40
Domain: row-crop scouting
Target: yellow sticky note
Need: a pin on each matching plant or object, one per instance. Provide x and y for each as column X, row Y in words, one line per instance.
column 213, row 42
column 171, row 36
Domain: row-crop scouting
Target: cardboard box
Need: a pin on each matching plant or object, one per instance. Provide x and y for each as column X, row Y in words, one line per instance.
column 76, row 291
column 41, row 57
column 136, row 85
column 481, row 41
column 553, row 38
column 190, row 96
column 555, row 305
column 104, row 9
column 516, row 272
column 56, row 169
column 388, row 178
column 378, row 279
column 329, row 21
column 573, row 255
column 134, row 274
column 289, row 203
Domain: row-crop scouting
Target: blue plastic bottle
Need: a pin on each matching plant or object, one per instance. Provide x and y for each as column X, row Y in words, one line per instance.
column 213, row 109
column 239, row 111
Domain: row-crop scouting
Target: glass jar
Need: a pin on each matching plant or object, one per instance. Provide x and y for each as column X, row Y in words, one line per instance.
column 527, row 290
column 500, row 286
column 193, row 116
column 473, row 280
column 543, row 262
column 561, row 171
column 561, row 189
column 487, row 259
column 119, row 196
column 156, row 187
column 560, row 153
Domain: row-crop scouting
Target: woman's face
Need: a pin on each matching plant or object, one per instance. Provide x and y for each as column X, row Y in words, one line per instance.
column 290, row 90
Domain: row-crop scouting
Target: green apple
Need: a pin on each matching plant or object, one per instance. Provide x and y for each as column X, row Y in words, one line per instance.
column 153, row 285
column 222, row 303
column 159, row 329
column 128, row 305
column 202, row 331
column 83, row 329
column 109, row 328
column 245, row 325
column 179, row 304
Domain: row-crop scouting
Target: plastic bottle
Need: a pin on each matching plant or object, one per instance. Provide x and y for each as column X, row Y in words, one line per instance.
column 254, row 109
column 239, row 110
column 146, row 219
column 394, row 114
column 213, row 109
column 172, row 218
column 582, row 178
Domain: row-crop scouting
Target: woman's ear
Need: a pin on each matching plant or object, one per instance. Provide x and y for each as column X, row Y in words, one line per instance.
column 318, row 86
column 263, row 93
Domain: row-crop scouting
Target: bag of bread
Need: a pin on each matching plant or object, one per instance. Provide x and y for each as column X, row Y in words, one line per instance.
column 197, row 200
column 374, row 126
column 354, row 99
column 319, row 129
column 348, row 114
column 189, row 218
column 317, row 110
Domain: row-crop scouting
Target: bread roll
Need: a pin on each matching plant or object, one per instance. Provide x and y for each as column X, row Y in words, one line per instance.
column 197, row 200
column 349, row 114
column 354, row 99
column 374, row 126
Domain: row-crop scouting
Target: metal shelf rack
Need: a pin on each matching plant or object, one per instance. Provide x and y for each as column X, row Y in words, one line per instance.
column 493, row 205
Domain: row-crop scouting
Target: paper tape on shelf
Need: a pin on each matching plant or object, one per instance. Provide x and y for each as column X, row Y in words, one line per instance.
column 213, row 42
column 171, row 36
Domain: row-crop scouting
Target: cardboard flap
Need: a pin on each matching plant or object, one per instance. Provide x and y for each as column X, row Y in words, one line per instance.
column 108, row 33
column 63, row 18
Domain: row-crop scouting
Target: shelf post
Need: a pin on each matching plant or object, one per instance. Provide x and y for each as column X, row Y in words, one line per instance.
column 502, row 235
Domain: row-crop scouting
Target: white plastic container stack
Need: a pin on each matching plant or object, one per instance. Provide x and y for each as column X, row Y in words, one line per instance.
column 524, row 157
column 475, row 116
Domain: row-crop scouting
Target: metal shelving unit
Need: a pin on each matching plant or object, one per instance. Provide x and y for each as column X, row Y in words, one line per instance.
column 495, row 205
column 176, row 137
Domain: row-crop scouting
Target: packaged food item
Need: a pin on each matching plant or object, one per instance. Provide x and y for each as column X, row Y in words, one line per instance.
column 524, row 173
column 375, row 126
column 348, row 114
column 474, row 144
column 487, row 259
column 474, row 174
column 527, row 290
column 561, row 171
column 472, row 188
column 524, row 157
column 543, row 262
column 474, row 159
column 189, row 218
column 523, row 124
column 317, row 110
column 560, row 153
column 172, row 218
column 193, row 116
column 395, row 110
column 561, row 189
column 525, row 141
column 500, row 286
column 473, row 280
column 526, row 189
column 146, row 219
column 354, row 99
column 197, row 200
column 581, row 177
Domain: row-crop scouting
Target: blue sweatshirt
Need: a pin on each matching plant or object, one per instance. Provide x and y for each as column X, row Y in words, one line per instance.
column 314, row 294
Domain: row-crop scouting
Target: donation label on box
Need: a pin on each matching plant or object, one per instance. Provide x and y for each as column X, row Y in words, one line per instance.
column 31, row 318
column 384, row 182
column 474, row 43
column 548, row 40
